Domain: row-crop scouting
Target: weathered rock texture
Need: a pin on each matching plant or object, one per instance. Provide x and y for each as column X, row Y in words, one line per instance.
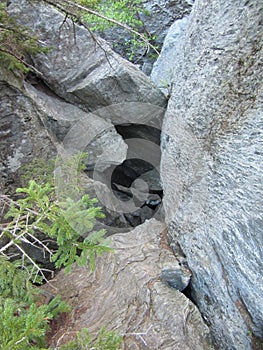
column 22, row 133
column 125, row 294
column 81, row 70
column 212, row 166
column 35, row 122
column 80, row 74
column 162, row 72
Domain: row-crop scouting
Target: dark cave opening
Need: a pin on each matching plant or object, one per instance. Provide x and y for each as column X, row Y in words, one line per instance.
column 137, row 178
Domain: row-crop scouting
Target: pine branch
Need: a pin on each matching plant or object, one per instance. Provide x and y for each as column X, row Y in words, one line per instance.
column 13, row 227
column 12, row 54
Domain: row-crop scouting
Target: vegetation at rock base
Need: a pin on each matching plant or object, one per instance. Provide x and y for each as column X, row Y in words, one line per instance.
column 106, row 340
column 127, row 13
column 37, row 220
column 24, row 318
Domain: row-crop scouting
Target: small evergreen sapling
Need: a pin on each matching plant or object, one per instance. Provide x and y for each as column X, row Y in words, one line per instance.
column 24, row 319
column 64, row 223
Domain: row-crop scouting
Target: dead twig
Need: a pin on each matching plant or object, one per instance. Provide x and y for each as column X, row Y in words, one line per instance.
column 140, row 335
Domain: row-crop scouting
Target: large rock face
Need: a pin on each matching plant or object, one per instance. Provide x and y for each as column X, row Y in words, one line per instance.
column 212, row 166
column 125, row 294
column 22, row 133
column 80, row 69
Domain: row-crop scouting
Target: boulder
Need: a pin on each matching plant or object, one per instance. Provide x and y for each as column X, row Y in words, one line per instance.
column 80, row 67
column 75, row 129
column 211, row 167
column 125, row 294
column 175, row 276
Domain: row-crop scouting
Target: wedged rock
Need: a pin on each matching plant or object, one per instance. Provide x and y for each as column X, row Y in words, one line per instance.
column 80, row 69
column 126, row 295
column 22, row 134
column 176, row 276
column 77, row 130
column 152, row 178
column 212, row 166
column 151, row 131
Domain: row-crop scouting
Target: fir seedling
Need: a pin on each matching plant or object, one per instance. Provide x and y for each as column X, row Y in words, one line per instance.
column 24, row 319
column 67, row 226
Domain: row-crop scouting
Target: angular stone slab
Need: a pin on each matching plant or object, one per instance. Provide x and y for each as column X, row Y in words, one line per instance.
column 77, row 130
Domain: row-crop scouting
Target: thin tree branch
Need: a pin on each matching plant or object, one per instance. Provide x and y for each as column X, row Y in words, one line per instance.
column 21, row 60
column 39, row 270
column 74, row 15
column 97, row 14
column 39, row 242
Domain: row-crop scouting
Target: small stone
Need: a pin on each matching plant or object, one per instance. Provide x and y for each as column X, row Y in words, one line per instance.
column 176, row 276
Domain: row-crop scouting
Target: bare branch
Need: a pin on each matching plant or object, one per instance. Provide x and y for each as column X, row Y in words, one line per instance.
column 40, row 243
column 38, row 269
column 74, row 15
column 97, row 14
column 11, row 232
column 140, row 335
column 11, row 242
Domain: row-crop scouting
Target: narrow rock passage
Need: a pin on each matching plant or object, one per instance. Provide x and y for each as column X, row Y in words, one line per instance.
column 137, row 178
